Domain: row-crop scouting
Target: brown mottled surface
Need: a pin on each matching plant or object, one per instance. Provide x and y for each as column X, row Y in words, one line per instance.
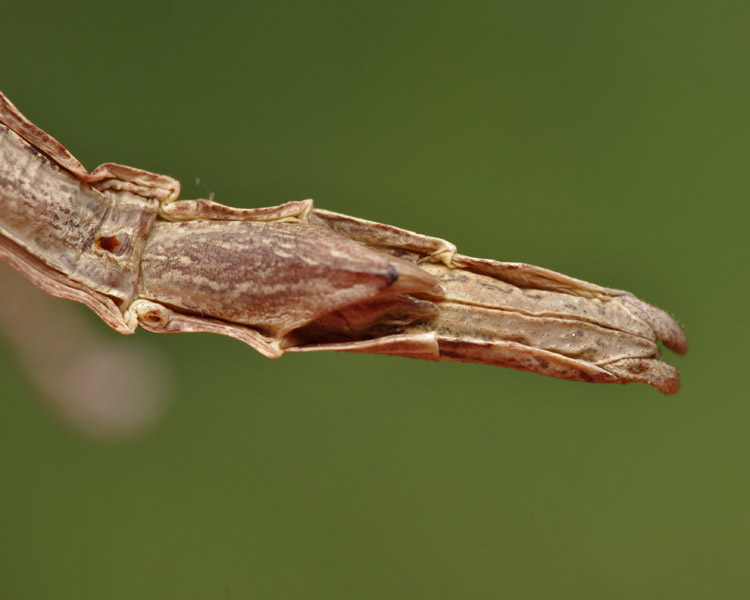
column 272, row 276
column 293, row 278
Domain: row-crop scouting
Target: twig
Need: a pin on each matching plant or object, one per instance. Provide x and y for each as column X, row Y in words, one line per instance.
column 292, row 278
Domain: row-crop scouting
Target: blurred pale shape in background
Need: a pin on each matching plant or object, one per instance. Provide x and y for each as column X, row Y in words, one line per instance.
column 96, row 386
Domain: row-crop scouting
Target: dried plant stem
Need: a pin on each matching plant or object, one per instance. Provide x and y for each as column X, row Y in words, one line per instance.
column 292, row 278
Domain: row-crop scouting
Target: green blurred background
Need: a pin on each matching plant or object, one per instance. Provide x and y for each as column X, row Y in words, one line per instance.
column 606, row 140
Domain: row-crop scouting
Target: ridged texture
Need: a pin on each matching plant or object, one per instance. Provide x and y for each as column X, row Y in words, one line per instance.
column 292, row 278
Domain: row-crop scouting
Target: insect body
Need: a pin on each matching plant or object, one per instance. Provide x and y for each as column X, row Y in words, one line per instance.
column 292, row 278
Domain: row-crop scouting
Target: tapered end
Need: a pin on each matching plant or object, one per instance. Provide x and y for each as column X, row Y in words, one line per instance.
column 664, row 377
column 408, row 278
column 664, row 326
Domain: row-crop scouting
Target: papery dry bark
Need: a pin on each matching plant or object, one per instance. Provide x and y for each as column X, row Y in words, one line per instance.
column 293, row 278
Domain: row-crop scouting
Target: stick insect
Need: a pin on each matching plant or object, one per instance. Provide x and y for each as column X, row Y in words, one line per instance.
column 294, row 278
